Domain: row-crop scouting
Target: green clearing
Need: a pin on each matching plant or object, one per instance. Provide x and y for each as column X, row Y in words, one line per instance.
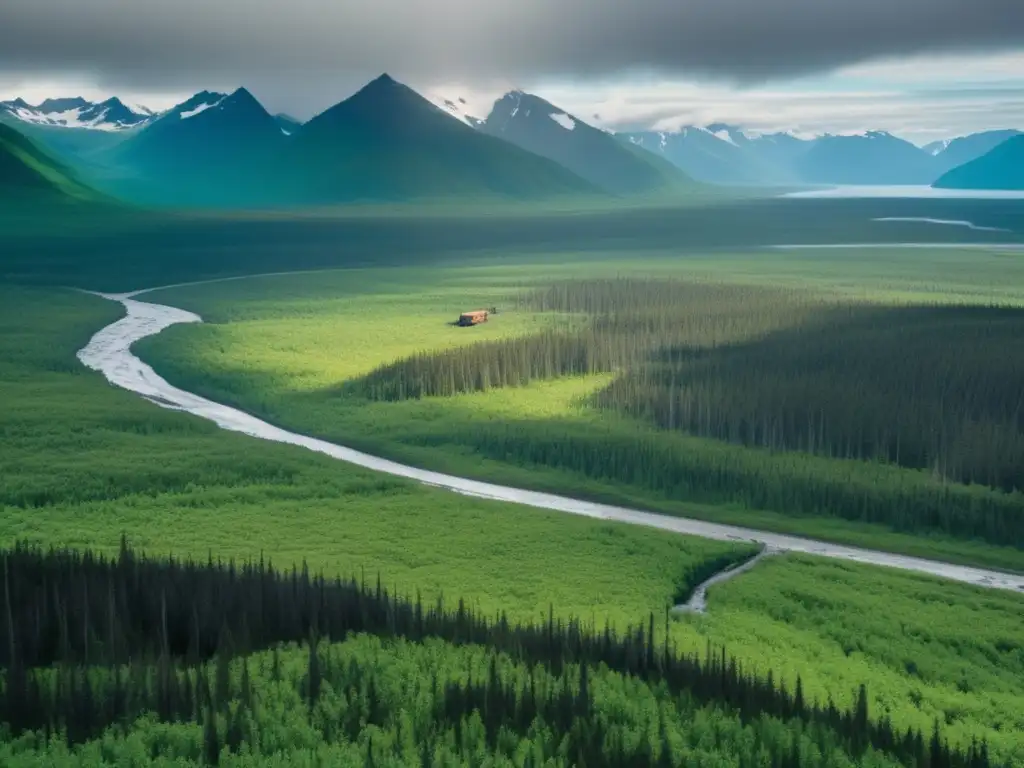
column 294, row 349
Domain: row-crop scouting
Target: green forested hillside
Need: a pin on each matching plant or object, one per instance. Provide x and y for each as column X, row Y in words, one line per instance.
column 29, row 176
column 445, row 685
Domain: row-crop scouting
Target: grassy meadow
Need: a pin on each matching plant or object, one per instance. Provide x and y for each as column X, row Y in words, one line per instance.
column 327, row 354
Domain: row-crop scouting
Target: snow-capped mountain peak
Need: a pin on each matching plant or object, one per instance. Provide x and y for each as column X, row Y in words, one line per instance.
column 109, row 115
column 196, row 105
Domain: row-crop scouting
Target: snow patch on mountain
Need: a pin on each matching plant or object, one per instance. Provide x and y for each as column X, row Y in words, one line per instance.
column 563, row 120
column 198, row 110
column 458, row 108
column 725, row 136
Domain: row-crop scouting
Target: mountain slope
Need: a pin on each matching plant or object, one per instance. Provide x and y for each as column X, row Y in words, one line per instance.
column 875, row 157
column 208, row 150
column 540, row 127
column 951, row 154
column 28, row 175
column 388, row 143
column 1001, row 168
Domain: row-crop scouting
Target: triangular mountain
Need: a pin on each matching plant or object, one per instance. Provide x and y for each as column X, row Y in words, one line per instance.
column 538, row 126
column 1002, row 168
column 207, row 150
column 388, row 143
column 875, row 157
column 30, row 176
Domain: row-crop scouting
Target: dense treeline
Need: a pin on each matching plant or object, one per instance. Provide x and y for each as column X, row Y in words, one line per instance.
column 66, row 606
column 80, row 610
column 928, row 388
column 792, row 483
column 939, row 388
column 629, row 320
column 368, row 701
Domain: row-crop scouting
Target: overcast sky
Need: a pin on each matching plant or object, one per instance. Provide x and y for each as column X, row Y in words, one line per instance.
column 922, row 68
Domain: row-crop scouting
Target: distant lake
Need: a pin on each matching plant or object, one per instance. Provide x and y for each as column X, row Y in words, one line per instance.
column 909, row 192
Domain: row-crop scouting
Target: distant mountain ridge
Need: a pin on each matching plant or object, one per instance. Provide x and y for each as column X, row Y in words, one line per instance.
column 713, row 157
column 386, row 143
column 76, row 112
column 542, row 128
column 725, row 154
column 389, row 143
column 874, row 157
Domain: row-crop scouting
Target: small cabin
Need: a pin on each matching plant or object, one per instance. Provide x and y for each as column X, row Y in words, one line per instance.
column 475, row 317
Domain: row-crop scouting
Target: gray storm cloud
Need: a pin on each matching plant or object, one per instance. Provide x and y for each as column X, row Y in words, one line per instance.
column 319, row 48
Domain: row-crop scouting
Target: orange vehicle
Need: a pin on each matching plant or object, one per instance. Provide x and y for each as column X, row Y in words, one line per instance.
column 475, row 317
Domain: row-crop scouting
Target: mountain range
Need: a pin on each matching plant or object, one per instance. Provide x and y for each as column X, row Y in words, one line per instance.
column 540, row 127
column 109, row 115
column 724, row 154
column 389, row 143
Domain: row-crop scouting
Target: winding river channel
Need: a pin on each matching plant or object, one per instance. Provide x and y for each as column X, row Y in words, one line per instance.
column 109, row 352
